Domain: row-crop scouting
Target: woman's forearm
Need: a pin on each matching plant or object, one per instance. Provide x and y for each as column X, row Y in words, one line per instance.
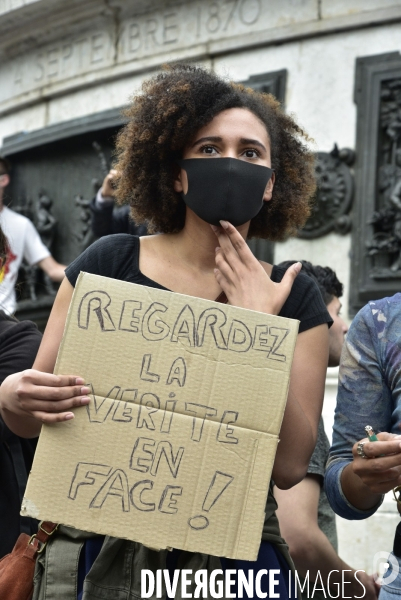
column 297, row 441
column 304, row 406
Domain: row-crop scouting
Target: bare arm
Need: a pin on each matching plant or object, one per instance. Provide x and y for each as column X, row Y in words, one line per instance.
column 304, row 406
column 35, row 396
column 47, row 355
column 52, row 268
column 309, row 547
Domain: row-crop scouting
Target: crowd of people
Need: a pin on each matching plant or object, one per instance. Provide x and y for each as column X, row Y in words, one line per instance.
column 204, row 164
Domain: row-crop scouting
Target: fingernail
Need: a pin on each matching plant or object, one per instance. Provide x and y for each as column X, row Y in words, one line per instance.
column 297, row 267
column 79, row 381
column 85, row 390
column 85, row 400
column 224, row 224
column 214, row 227
column 69, row 416
column 217, row 249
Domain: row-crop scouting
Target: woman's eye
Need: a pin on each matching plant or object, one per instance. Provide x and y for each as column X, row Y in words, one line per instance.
column 251, row 153
column 208, row 149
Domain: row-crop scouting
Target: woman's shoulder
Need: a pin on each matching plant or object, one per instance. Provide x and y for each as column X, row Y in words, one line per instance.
column 278, row 273
column 110, row 256
column 305, row 302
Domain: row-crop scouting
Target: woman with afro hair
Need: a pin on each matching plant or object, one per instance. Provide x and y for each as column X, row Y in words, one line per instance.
column 205, row 163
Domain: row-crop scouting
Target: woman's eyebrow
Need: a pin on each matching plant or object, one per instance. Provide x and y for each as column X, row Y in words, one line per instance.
column 252, row 142
column 216, row 138
column 210, row 138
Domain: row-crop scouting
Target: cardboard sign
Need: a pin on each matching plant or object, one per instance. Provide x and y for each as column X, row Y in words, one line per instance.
column 177, row 445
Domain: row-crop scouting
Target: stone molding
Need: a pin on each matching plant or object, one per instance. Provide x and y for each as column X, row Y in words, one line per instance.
column 22, row 141
column 376, row 172
column 77, row 45
column 333, row 197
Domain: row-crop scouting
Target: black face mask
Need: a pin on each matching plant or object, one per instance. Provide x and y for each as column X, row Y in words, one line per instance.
column 226, row 189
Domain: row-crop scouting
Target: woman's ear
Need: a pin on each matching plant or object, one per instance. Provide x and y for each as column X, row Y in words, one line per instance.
column 269, row 188
column 180, row 184
column 4, row 180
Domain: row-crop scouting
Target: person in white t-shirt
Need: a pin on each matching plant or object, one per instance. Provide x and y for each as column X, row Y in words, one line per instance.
column 23, row 242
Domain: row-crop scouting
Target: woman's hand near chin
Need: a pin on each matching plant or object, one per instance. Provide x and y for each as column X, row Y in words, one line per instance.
column 243, row 279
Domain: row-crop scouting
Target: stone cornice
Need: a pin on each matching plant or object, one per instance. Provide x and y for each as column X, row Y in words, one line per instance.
column 30, row 23
column 101, row 40
column 309, row 29
column 21, row 141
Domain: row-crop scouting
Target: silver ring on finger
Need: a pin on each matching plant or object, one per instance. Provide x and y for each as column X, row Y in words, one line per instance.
column 360, row 451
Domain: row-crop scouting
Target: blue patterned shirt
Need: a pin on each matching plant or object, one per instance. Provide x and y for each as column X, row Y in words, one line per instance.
column 369, row 391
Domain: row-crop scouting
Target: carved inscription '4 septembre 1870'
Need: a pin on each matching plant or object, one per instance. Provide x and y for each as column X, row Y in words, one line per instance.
column 185, row 28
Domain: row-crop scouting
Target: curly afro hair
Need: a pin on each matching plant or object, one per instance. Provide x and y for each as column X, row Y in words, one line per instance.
column 165, row 117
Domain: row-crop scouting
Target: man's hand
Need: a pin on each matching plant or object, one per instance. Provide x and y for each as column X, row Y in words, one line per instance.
column 107, row 189
column 380, row 471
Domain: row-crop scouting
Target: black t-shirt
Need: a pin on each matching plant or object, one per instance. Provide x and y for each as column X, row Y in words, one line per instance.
column 117, row 256
column 19, row 343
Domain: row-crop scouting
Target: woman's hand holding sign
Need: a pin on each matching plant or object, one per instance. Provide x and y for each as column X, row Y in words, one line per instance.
column 243, row 278
column 43, row 397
